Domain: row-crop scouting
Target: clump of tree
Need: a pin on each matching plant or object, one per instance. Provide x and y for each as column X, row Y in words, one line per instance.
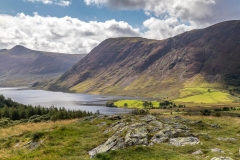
column 17, row 111
column 225, row 109
column 110, row 104
column 206, row 112
column 140, row 111
column 170, row 105
column 147, row 104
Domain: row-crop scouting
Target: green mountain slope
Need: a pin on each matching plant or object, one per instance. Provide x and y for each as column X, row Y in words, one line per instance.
column 205, row 58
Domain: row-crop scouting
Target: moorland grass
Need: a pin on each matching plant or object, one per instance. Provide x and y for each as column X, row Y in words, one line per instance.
column 73, row 140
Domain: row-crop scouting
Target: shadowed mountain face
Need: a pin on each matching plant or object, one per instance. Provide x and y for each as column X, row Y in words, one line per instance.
column 137, row 66
column 20, row 66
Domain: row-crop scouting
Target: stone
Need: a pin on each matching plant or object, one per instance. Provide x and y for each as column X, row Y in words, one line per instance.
column 32, row 145
column 198, row 152
column 198, row 122
column 180, row 126
column 221, row 158
column 203, row 135
column 114, row 117
column 216, row 126
column 217, row 150
column 102, row 124
column 227, row 139
column 137, row 135
column 157, row 124
column 89, row 118
column 110, row 143
column 164, row 135
column 182, row 141
column 115, row 127
column 149, row 118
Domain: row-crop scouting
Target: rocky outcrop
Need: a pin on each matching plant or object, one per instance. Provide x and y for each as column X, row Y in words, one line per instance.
column 139, row 131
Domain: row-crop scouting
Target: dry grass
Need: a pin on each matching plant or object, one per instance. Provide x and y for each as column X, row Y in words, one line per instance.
column 31, row 127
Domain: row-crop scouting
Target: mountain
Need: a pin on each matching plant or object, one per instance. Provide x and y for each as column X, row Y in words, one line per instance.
column 21, row 66
column 159, row 68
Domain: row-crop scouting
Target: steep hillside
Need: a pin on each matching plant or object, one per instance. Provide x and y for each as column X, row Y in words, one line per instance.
column 20, row 66
column 137, row 66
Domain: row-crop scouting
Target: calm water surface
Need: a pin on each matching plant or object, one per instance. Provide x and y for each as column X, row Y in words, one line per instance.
column 68, row 100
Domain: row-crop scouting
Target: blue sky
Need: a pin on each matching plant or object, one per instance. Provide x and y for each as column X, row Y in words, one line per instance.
column 77, row 26
column 77, row 9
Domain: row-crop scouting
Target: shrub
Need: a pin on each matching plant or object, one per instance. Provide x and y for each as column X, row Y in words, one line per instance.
column 36, row 136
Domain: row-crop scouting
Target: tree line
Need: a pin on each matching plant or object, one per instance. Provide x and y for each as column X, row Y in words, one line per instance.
column 17, row 111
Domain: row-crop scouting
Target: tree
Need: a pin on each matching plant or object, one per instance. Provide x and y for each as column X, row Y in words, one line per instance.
column 5, row 112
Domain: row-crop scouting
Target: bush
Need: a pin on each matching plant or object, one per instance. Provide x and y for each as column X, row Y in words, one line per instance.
column 140, row 111
column 36, row 136
column 206, row 112
column 218, row 114
column 226, row 109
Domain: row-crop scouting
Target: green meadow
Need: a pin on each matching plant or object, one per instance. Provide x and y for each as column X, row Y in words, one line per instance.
column 203, row 95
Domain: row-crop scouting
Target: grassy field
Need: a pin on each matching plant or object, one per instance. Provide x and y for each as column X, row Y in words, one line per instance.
column 72, row 139
column 203, row 95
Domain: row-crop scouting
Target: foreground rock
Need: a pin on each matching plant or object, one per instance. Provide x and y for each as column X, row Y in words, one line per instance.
column 182, row 141
column 137, row 132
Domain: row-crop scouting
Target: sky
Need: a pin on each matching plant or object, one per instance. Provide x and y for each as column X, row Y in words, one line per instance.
column 77, row 26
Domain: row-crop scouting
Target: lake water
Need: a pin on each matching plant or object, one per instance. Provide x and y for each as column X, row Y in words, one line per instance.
column 67, row 100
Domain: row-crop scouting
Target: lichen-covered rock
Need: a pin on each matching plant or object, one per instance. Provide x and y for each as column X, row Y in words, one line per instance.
column 32, row 145
column 102, row 124
column 216, row 126
column 137, row 135
column 198, row 152
column 89, row 118
column 114, row 117
column 221, row 158
column 116, row 126
column 217, row 150
column 149, row 118
column 227, row 139
column 182, row 141
column 157, row 124
column 164, row 135
column 109, row 144
column 127, row 133
column 202, row 135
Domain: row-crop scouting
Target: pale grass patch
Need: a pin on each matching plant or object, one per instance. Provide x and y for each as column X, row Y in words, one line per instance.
column 31, row 127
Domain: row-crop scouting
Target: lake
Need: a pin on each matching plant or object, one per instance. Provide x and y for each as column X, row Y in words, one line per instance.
column 71, row 101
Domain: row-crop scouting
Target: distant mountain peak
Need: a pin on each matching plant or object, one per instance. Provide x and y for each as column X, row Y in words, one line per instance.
column 20, row 47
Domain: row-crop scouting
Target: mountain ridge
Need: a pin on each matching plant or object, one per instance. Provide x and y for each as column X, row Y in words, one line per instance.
column 21, row 66
column 145, row 67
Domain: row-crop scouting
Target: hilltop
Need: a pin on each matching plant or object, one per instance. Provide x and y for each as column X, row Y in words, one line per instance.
column 21, row 66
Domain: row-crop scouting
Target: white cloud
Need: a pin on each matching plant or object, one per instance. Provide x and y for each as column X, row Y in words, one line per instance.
column 161, row 29
column 62, row 3
column 196, row 13
column 68, row 35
